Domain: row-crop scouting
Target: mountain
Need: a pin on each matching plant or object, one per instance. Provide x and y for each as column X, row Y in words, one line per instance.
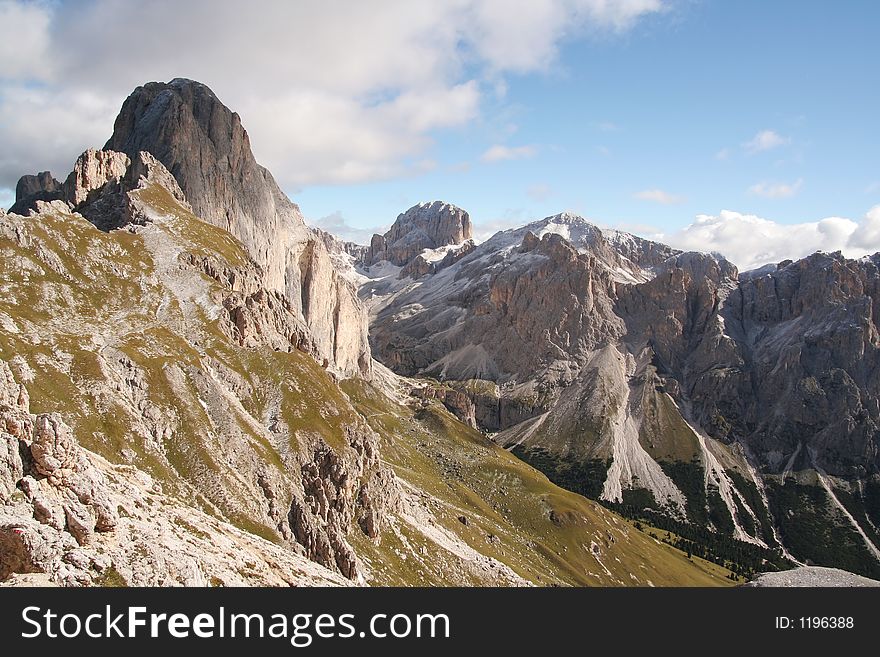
column 207, row 150
column 170, row 414
column 424, row 226
column 734, row 409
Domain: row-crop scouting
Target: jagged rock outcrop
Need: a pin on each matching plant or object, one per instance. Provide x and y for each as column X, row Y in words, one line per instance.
column 66, row 492
column 337, row 246
column 541, row 303
column 205, row 147
column 333, row 497
column 68, row 515
column 423, row 226
column 99, row 186
column 91, row 172
column 33, row 188
column 458, row 403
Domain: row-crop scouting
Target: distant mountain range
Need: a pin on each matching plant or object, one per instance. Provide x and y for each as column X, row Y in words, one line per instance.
column 668, row 385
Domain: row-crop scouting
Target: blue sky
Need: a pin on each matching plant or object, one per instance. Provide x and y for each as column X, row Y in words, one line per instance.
column 673, row 105
column 745, row 127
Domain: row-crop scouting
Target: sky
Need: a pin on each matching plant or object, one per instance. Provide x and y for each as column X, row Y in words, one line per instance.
column 744, row 127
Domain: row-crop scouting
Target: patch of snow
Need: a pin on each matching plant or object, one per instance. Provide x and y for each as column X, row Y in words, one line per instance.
column 555, row 228
column 436, row 255
column 380, row 270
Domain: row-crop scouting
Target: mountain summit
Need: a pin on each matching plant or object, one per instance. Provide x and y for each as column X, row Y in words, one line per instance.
column 424, row 226
column 205, row 147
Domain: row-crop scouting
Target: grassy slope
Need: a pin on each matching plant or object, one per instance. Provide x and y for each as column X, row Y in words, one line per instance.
column 541, row 531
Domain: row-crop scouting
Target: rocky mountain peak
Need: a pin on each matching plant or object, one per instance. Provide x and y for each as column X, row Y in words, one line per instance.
column 204, row 146
column 33, row 188
column 424, row 226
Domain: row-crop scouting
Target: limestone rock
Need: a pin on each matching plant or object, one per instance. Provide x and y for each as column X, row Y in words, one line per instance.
column 204, row 146
column 93, row 170
column 423, row 226
column 33, row 188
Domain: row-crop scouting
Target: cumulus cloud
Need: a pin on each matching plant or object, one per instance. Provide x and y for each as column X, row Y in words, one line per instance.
column 659, row 196
column 750, row 241
column 764, row 141
column 776, row 190
column 329, row 92
column 337, row 225
column 499, row 153
column 509, row 218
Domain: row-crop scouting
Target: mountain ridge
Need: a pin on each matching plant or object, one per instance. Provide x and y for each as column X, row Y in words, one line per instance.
column 626, row 360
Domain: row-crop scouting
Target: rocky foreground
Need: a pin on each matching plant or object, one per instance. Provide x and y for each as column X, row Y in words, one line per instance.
column 812, row 576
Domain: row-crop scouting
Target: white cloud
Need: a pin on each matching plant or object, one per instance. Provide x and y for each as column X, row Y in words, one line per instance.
column 539, row 192
column 43, row 129
column 776, row 190
column 866, row 238
column 499, row 153
column 509, row 218
column 750, row 241
column 329, row 92
column 723, row 154
column 764, row 141
column 873, row 187
column 525, row 36
column 337, row 225
column 604, row 151
column 659, row 196
column 25, row 40
column 607, row 126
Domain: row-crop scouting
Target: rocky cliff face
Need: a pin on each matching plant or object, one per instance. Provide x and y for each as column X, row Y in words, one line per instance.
column 33, row 188
column 204, row 146
column 423, row 226
column 660, row 380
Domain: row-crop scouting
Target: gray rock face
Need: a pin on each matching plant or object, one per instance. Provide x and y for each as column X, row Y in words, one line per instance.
column 423, row 226
column 100, row 184
column 93, row 170
column 512, row 307
column 65, row 490
column 33, row 188
column 204, row 146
